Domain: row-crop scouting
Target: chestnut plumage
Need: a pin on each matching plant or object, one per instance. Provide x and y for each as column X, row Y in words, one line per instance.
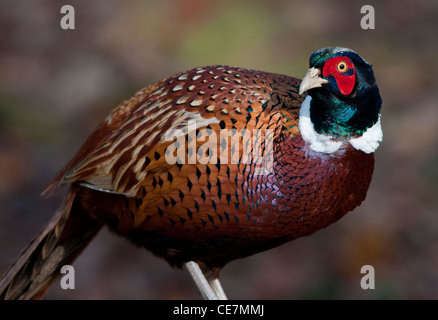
column 210, row 206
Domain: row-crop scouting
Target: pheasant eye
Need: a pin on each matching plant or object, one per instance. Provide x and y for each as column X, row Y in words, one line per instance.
column 342, row 66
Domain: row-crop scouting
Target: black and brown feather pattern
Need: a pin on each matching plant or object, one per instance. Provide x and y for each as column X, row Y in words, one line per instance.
column 214, row 212
column 221, row 97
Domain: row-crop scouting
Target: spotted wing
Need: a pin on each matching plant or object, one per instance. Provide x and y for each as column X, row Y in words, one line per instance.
column 131, row 141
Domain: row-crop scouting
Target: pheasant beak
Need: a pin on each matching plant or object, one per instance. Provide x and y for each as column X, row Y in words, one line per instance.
column 311, row 80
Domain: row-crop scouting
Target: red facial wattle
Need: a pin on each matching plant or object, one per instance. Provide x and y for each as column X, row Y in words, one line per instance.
column 342, row 70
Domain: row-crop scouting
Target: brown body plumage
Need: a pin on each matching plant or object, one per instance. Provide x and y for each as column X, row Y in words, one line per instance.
column 208, row 213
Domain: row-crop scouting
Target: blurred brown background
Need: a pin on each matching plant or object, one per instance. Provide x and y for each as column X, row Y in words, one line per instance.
column 57, row 85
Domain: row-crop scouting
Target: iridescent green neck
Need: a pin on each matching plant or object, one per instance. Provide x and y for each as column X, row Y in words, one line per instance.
column 344, row 118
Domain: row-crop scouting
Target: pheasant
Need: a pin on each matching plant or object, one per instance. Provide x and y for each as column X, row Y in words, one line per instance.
column 215, row 164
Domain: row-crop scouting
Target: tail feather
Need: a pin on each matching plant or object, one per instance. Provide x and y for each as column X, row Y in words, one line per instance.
column 59, row 243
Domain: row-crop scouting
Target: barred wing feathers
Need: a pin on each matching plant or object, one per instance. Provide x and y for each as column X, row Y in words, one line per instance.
column 132, row 140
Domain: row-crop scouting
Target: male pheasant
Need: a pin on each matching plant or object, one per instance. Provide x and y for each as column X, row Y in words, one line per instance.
column 215, row 164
